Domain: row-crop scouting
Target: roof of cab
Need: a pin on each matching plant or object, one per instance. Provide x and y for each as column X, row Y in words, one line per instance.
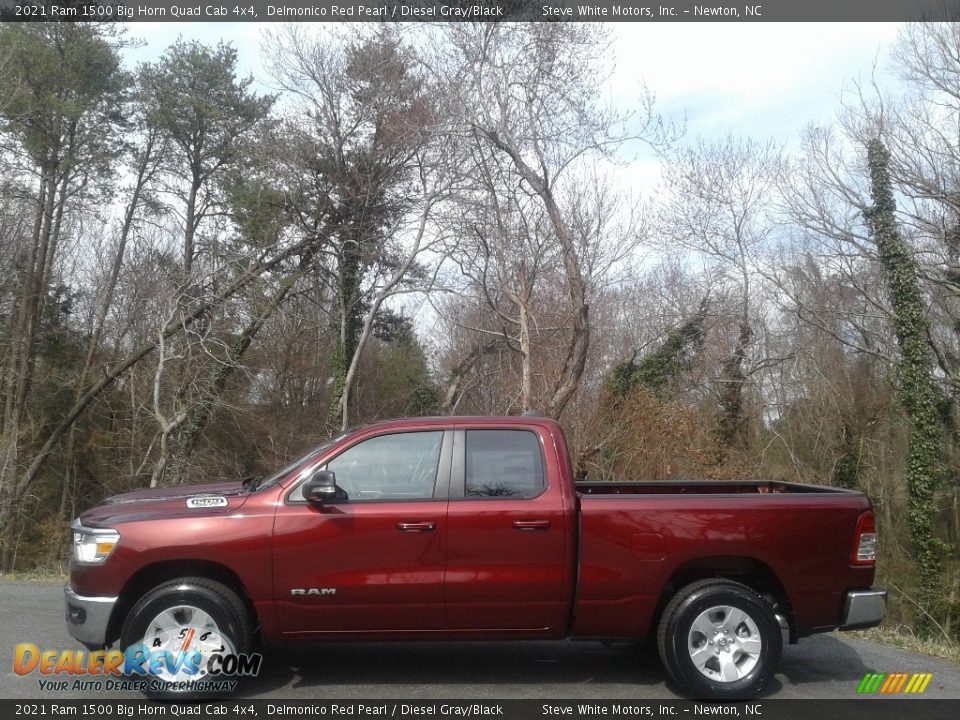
column 517, row 420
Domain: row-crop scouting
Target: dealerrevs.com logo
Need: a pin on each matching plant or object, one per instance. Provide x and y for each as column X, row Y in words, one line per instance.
column 181, row 659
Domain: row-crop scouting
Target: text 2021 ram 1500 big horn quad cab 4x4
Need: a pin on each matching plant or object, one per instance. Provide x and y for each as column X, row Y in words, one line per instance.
column 462, row 528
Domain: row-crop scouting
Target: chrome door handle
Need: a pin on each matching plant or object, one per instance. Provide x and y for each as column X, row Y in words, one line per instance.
column 416, row 526
column 531, row 524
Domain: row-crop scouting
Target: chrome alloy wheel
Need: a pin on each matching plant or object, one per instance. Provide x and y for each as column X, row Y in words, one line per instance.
column 724, row 643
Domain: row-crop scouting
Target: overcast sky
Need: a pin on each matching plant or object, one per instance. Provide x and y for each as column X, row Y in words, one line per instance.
column 766, row 80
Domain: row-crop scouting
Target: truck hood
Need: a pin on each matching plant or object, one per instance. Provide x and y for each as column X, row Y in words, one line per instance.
column 158, row 503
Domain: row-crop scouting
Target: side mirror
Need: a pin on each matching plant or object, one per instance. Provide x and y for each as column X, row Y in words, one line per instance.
column 321, row 486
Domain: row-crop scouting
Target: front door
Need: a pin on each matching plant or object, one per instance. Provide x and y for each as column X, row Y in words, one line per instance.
column 372, row 558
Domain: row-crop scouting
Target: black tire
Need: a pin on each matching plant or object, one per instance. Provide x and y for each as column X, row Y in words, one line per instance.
column 749, row 651
column 222, row 604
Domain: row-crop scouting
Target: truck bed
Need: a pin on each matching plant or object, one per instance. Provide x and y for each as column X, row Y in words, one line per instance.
column 636, row 538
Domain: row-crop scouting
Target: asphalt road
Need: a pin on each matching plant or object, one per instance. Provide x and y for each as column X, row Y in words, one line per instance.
column 825, row 666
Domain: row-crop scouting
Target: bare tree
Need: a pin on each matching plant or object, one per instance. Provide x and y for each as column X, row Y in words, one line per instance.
column 529, row 93
column 718, row 212
column 503, row 248
column 145, row 163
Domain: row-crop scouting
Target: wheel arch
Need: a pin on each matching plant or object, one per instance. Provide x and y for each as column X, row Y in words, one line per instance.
column 746, row 570
column 154, row 574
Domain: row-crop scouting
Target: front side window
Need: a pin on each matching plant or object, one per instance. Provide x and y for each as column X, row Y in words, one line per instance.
column 503, row 463
column 389, row 467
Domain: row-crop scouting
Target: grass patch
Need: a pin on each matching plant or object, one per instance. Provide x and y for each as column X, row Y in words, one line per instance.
column 36, row 575
column 904, row 638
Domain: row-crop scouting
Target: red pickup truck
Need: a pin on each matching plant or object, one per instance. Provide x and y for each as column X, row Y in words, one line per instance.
column 467, row 528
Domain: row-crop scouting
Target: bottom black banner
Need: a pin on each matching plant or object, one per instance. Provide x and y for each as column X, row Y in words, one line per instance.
column 866, row 709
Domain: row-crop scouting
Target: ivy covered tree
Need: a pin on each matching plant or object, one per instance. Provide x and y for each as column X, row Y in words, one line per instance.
column 353, row 158
column 657, row 368
column 918, row 393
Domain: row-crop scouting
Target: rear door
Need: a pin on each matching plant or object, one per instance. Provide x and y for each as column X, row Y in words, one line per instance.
column 371, row 559
column 507, row 564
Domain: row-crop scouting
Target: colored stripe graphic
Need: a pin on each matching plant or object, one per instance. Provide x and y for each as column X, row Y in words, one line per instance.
column 903, row 679
column 894, row 683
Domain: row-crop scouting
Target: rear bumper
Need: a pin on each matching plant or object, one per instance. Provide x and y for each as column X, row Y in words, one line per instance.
column 88, row 617
column 863, row 609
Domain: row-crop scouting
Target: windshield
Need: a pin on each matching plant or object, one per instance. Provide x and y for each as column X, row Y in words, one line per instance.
column 281, row 474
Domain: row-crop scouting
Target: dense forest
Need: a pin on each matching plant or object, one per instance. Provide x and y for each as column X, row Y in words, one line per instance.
column 199, row 280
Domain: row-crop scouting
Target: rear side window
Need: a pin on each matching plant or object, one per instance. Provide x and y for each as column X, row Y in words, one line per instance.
column 503, row 464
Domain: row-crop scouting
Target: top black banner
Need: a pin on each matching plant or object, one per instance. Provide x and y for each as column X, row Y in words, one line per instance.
column 478, row 10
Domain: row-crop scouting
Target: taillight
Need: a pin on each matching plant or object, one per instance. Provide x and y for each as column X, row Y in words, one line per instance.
column 864, row 550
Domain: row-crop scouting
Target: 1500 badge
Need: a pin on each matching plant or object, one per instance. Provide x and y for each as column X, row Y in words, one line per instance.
column 207, row 502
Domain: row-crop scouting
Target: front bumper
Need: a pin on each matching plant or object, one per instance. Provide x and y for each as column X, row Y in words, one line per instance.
column 88, row 617
column 863, row 609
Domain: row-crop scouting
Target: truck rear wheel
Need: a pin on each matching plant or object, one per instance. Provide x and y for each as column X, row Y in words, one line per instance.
column 719, row 639
column 193, row 614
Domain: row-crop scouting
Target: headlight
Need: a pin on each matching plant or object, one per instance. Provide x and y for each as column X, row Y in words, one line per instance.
column 92, row 546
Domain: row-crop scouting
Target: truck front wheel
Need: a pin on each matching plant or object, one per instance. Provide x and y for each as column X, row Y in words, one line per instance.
column 719, row 639
column 182, row 625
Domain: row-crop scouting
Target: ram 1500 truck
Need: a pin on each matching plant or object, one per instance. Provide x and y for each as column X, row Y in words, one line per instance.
column 463, row 528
